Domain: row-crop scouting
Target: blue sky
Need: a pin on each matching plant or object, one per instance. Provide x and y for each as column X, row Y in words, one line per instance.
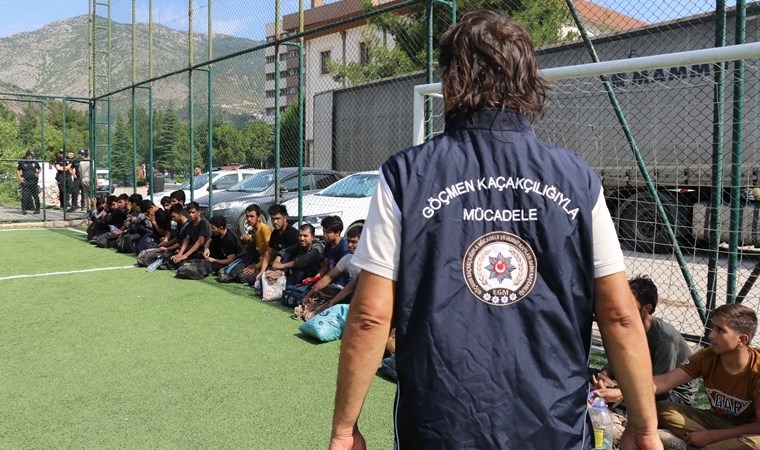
column 246, row 18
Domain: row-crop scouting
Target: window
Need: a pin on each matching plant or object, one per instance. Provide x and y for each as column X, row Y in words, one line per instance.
column 324, row 58
column 325, row 179
column 363, row 53
column 270, row 77
column 291, row 184
column 225, row 182
column 270, row 59
column 270, row 94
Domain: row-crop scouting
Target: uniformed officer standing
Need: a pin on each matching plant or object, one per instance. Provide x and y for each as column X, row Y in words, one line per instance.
column 28, row 173
column 60, row 176
column 72, row 179
column 491, row 251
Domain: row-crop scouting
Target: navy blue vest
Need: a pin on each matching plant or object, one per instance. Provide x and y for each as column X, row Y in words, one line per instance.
column 495, row 292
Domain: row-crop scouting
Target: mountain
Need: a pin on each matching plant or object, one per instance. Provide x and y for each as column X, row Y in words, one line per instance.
column 53, row 60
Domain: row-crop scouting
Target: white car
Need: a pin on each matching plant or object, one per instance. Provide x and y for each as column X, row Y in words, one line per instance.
column 220, row 180
column 348, row 198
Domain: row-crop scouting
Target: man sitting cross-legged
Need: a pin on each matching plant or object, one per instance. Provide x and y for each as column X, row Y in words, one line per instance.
column 256, row 242
column 198, row 232
column 302, row 260
column 325, row 293
column 224, row 245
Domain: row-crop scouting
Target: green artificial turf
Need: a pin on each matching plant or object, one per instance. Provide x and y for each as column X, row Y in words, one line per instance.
column 125, row 358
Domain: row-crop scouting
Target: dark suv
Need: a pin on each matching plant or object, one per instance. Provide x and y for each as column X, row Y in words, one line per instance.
column 259, row 189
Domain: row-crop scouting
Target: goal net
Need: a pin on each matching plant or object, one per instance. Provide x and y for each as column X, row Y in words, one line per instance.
column 668, row 101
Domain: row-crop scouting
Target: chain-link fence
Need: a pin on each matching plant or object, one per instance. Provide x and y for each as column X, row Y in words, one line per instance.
column 246, row 93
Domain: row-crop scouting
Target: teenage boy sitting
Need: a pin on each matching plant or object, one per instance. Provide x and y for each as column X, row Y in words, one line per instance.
column 198, row 232
column 324, row 294
column 283, row 236
column 335, row 248
column 730, row 370
column 224, row 245
column 256, row 241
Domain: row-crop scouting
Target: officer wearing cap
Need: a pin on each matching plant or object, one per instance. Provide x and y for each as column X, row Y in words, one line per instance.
column 28, row 172
column 60, row 179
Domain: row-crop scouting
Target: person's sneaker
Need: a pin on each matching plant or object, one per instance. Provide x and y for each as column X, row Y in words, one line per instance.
column 36, row 211
column 670, row 441
column 23, row 211
column 72, row 209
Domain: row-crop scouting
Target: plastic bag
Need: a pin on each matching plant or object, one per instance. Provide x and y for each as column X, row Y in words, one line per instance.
column 272, row 291
column 328, row 325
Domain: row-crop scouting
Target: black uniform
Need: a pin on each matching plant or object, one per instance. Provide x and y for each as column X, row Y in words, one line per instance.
column 72, row 181
column 30, row 193
column 60, row 179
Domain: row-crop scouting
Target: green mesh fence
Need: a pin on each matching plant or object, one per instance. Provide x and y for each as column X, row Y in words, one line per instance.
column 248, row 97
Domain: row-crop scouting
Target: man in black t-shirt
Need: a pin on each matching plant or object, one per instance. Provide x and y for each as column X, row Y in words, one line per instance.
column 198, row 232
column 283, row 236
column 223, row 247
column 28, row 172
column 60, row 169
column 72, row 180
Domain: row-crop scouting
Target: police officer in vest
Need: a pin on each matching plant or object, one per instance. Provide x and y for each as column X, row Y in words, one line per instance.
column 490, row 252
column 28, row 173
column 60, row 176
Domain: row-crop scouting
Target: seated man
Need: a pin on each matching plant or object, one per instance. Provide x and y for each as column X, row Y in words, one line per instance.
column 224, row 245
column 335, row 248
column 198, row 232
column 171, row 241
column 302, row 260
column 324, row 294
column 283, row 236
column 730, row 370
column 256, row 241
column 667, row 349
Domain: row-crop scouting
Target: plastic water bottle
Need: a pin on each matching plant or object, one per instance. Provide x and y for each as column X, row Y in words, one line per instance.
column 601, row 418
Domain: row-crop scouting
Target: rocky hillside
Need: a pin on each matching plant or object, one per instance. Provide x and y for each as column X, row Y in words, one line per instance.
column 54, row 61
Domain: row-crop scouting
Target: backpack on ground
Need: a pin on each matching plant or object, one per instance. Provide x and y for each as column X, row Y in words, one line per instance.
column 293, row 295
column 194, row 269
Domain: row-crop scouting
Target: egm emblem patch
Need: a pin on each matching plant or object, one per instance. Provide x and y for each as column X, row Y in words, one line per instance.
column 499, row 268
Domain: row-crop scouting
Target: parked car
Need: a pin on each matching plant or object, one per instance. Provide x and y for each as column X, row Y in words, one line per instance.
column 348, row 198
column 220, row 181
column 102, row 181
column 259, row 189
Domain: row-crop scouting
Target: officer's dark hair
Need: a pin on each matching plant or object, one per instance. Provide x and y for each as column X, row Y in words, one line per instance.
column 218, row 221
column 278, row 209
column 644, row 290
column 177, row 209
column 307, row 226
column 165, row 201
column 332, row 223
column 178, row 195
column 193, row 205
column 124, row 197
column 254, row 207
column 135, row 198
column 354, row 231
column 488, row 61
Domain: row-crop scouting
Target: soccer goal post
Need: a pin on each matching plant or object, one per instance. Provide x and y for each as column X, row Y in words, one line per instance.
column 687, row 60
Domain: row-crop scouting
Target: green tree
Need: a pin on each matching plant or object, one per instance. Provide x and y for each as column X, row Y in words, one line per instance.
column 167, row 134
column 28, row 121
column 121, row 153
column 289, row 136
column 544, row 20
column 229, row 144
column 258, row 138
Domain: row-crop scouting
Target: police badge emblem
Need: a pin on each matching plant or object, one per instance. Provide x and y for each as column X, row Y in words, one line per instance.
column 499, row 268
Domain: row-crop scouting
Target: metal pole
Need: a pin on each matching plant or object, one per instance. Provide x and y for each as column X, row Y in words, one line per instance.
column 191, row 129
column 736, row 156
column 301, row 98
column 642, row 166
column 716, row 200
column 429, row 67
column 277, row 117
column 150, row 143
column 209, row 113
column 42, row 143
column 65, row 150
column 134, row 142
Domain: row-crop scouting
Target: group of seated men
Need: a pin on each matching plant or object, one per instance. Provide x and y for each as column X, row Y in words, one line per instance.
column 176, row 236
column 729, row 369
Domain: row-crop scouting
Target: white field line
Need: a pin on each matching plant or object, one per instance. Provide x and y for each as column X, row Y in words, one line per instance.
column 100, row 269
